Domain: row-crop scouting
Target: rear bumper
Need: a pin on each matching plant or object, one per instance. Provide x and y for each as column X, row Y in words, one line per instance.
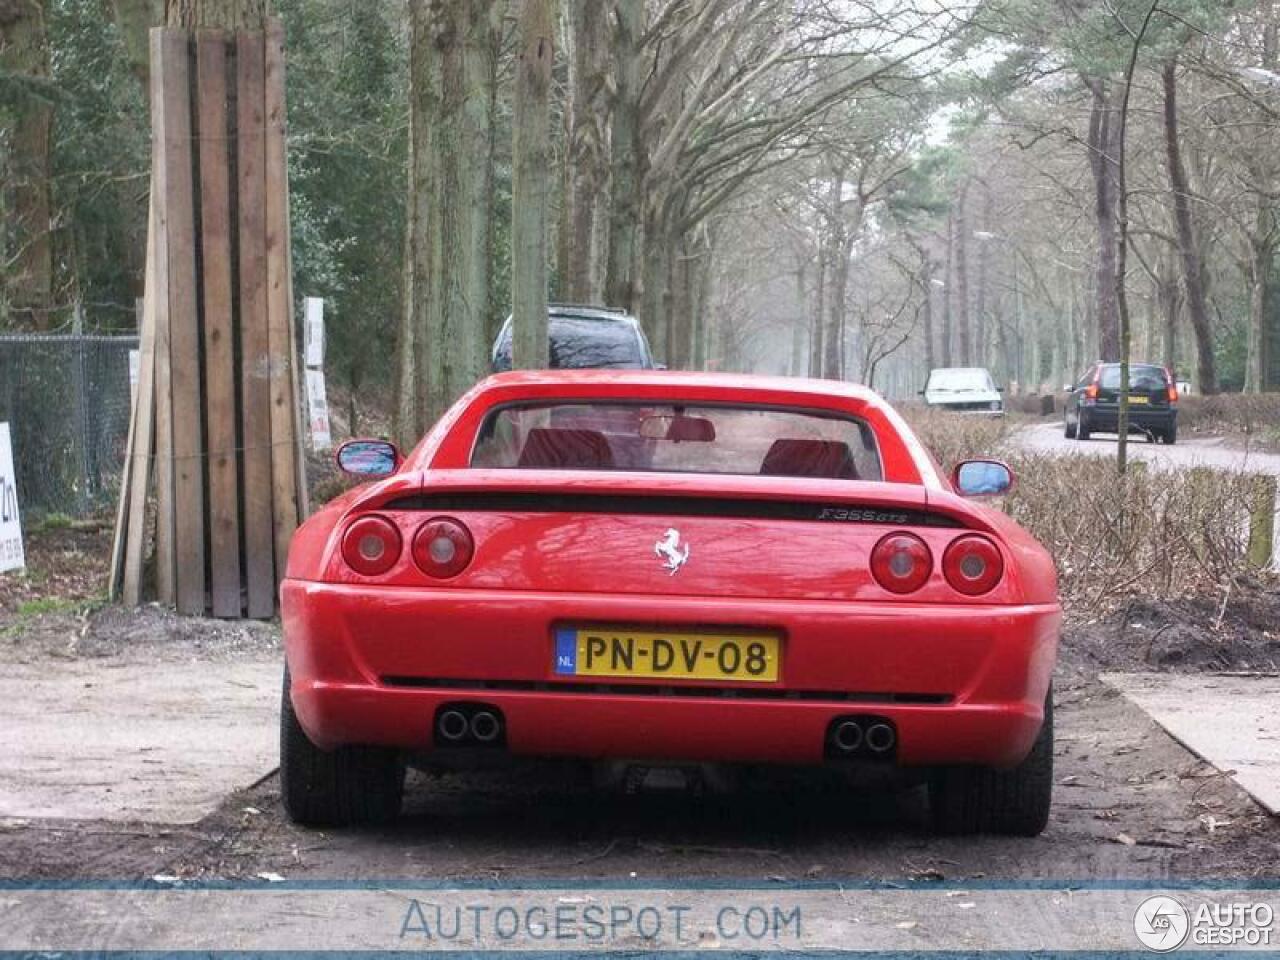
column 1107, row 418
column 374, row 666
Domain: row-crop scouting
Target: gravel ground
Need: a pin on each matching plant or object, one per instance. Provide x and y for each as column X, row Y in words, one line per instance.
column 1130, row 803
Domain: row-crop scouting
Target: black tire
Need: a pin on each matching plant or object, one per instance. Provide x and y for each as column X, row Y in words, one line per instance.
column 1171, row 435
column 335, row 788
column 1069, row 429
column 966, row 800
column 1082, row 427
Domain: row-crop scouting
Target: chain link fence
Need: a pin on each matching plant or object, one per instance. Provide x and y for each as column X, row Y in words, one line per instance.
column 66, row 398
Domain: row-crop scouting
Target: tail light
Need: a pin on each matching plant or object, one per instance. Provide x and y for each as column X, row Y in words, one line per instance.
column 1173, row 393
column 442, row 547
column 1091, row 391
column 371, row 545
column 901, row 562
column 973, row 565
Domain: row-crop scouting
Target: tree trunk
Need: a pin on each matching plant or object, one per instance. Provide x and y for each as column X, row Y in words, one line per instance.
column 797, row 366
column 840, row 239
column 26, row 125
column 962, row 276
column 1169, row 297
column 626, row 166
column 1188, row 247
column 980, row 350
column 227, row 14
column 452, row 59
column 586, row 155
column 531, row 183
column 1102, row 161
column 1259, row 273
column 653, row 293
column 947, row 285
column 134, row 19
column 926, row 287
column 818, row 316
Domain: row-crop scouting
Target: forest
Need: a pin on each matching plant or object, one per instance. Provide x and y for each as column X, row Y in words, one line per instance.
column 851, row 189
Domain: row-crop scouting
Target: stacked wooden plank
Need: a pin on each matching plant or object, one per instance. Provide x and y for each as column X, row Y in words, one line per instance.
column 215, row 441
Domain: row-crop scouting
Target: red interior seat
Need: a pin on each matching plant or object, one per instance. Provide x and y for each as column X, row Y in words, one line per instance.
column 565, row 449
column 796, row 457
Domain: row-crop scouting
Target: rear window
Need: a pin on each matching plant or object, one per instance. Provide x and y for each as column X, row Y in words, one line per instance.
column 1141, row 377
column 583, row 342
column 677, row 439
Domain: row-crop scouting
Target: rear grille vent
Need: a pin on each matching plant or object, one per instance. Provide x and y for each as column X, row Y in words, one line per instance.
column 670, row 690
column 669, row 507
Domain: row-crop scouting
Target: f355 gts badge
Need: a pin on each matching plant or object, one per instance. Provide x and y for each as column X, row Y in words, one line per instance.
column 669, row 551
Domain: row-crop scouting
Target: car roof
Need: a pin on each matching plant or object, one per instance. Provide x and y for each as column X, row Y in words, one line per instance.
column 823, row 390
column 576, row 312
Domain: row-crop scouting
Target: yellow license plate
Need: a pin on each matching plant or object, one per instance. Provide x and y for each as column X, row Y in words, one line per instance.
column 1139, row 399
column 618, row 652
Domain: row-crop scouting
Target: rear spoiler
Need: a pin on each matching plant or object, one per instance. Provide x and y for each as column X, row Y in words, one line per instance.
column 603, row 492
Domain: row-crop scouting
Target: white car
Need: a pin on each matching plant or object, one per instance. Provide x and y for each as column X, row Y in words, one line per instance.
column 964, row 390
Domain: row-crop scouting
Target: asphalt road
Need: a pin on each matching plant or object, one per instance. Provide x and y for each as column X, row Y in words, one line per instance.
column 1188, row 452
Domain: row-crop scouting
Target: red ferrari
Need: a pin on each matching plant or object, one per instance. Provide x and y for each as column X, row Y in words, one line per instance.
column 784, row 577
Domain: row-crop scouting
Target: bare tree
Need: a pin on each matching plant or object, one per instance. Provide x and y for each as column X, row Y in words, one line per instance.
column 531, row 183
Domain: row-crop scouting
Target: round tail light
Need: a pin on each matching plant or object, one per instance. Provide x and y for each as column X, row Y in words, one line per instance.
column 442, row 547
column 901, row 562
column 371, row 545
column 973, row 565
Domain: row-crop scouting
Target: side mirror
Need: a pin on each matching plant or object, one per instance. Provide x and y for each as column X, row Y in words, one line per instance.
column 982, row 478
column 1067, row 389
column 368, row 459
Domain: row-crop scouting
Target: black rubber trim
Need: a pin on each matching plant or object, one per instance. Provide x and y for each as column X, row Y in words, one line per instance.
column 668, row 506
column 666, row 690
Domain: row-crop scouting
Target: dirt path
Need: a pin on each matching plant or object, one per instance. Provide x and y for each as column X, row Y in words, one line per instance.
column 1130, row 803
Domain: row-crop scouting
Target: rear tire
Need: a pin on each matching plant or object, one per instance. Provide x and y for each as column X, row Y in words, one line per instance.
column 1082, row 427
column 1069, row 429
column 966, row 800
column 1171, row 435
column 339, row 787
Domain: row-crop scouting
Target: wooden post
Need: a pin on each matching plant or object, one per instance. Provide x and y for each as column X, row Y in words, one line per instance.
column 218, row 395
column 255, row 359
column 158, row 302
column 1262, row 522
column 219, row 358
column 284, row 507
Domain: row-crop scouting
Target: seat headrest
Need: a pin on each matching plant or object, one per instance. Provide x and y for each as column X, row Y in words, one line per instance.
column 565, row 449
column 797, row 457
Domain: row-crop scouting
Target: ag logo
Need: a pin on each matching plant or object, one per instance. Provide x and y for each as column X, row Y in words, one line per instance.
column 1161, row 923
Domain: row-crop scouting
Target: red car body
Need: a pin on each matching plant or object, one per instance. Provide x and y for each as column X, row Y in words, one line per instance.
column 962, row 680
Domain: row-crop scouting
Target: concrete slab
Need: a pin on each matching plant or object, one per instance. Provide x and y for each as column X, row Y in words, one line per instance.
column 1232, row 722
column 133, row 739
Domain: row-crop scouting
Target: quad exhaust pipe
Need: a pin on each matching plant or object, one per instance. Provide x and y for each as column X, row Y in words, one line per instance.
column 468, row 724
column 847, row 736
column 485, row 726
column 880, row 738
column 452, row 725
column 861, row 737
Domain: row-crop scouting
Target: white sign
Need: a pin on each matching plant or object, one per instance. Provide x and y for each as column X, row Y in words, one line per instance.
column 11, row 555
column 313, row 332
column 318, row 411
